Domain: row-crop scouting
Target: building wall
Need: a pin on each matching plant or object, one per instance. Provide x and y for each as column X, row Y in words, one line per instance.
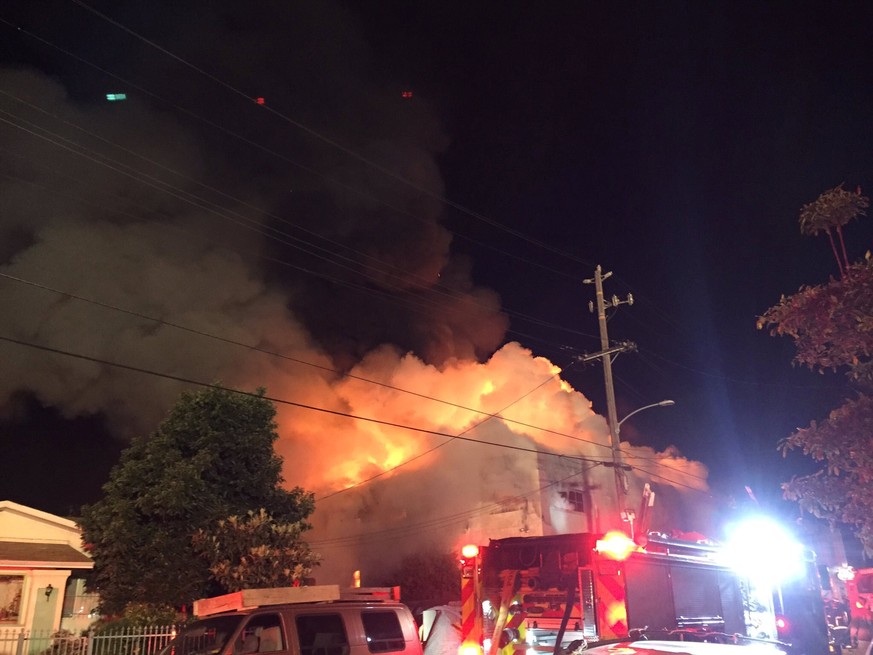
column 19, row 523
column 370, row 529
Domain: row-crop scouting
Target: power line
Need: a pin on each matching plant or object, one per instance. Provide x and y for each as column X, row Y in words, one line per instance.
column 674, row 482
column 199, row 202
column 447, row 520
column 443, row 521
column 335, row 144
column 274, row 153
column 190, row 179
column 726, row 378
column 361, row 158
column 282, row 401
column 427, row 452
column 216, row 79
column 373, row 291
column 488, row 416
column 193, row 199
column 413, row 303
column 303, row 362
column 136, row 369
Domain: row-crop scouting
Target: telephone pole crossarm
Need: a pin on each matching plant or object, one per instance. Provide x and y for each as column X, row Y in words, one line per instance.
column 621, row 347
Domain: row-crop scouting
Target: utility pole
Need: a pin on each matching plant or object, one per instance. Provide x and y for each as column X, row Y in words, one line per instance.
column 602, row 305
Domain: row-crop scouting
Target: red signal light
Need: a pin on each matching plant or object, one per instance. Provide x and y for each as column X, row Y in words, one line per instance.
column 260, row 101
column 781, row 625
column 406, row 94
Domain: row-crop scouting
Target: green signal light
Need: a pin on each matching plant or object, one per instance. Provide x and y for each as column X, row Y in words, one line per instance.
column 115, row 97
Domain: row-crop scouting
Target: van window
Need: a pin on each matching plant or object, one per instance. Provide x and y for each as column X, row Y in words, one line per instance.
column 206, row 636
column 383, row 631
column 322, row 634
column 262, row 634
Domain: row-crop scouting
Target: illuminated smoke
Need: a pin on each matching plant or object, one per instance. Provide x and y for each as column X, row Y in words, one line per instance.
column 106, row 232
column 455, row 490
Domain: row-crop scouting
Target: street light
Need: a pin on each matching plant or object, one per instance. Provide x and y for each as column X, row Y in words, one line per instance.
column 663, row 403
column 620, row 479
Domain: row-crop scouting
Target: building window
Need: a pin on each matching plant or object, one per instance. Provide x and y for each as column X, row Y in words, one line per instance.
column 10, row 597
column 574, row 500
column 77, row 601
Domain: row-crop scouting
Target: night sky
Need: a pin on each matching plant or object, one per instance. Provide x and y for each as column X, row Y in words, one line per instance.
column 671, row 143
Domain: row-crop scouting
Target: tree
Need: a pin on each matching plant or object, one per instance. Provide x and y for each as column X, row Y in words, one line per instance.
column 210, row 459
column 136, row 616
column 255, row 551
column 829, row 213
column 832, row 328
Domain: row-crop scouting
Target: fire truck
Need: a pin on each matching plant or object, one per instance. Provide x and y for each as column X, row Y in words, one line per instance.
column 859, row 590
column 540, row 593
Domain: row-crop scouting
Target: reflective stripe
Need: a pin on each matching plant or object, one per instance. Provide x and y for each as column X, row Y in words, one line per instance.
column 611, row 610
column 468, row 610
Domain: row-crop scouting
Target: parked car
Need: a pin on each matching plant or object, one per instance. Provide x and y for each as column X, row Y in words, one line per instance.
column 310, row 627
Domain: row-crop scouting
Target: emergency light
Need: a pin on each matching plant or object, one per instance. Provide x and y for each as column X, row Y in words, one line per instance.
column 781, row 625
column 469, row 648
column 762, row 549
column 616, row 545
column 469, row 551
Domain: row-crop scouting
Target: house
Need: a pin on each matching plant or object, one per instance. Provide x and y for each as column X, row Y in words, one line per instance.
column 42, row 567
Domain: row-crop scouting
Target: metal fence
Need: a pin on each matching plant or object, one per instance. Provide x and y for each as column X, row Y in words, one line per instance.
column 127, row 641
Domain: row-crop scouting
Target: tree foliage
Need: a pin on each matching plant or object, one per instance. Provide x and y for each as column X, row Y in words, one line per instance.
column 255, row 551
column 210, row 459
column 832, row 328
column 829, row 213
column 137, row 616
column 831, row 324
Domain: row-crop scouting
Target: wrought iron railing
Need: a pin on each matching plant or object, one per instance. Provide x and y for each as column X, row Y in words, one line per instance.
column 125, row 641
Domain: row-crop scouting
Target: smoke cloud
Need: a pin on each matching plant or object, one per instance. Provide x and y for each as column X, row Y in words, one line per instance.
column 293, row 247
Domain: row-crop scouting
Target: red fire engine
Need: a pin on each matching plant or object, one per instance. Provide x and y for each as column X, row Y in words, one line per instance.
column 533, row 593
column 859, row 590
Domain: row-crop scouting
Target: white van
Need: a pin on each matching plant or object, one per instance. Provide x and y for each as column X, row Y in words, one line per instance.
column 298, row 621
